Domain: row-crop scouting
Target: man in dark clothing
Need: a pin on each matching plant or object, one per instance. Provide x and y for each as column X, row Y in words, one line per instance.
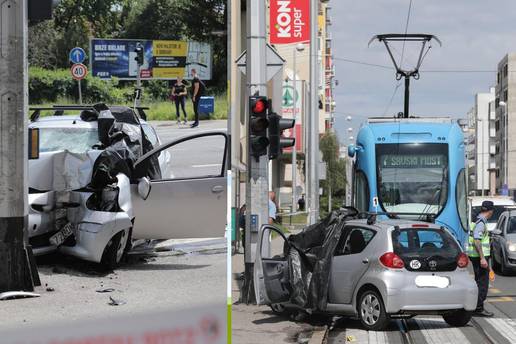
column 198, row 89
column 479, row 252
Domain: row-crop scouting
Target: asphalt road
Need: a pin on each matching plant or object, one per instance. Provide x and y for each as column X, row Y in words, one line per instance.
column 197, row 157
column 183, row 274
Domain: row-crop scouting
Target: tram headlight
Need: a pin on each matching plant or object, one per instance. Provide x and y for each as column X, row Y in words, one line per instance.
column 511, row 246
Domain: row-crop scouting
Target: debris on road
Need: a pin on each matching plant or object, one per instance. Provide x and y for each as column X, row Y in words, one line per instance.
column 105, row 290
column 8, row 295
column 116, row 302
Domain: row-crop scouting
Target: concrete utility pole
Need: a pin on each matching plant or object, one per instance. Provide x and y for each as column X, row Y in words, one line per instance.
column 14, row 265
column 313, row 120
column 257, row 197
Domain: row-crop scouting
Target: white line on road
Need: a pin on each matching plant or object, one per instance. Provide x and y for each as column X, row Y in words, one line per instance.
column 506, row 327
column 206, row 165
column 436, row 331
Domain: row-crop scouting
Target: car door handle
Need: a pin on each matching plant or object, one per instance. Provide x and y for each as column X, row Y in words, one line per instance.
column 217, row 189
column 365, row 261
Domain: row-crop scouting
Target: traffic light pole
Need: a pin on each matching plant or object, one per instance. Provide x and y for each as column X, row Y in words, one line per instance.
column 313, row 121
column 257, row 188
column 14, row 265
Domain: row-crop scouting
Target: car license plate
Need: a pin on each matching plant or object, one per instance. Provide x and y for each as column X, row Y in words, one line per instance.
column 432, row 282
column 60, row 237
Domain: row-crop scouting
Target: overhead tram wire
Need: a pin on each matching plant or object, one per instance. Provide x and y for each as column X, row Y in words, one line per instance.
column 398, row 83
column 369, row 64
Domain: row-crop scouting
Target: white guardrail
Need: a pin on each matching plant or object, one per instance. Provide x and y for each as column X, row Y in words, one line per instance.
column 206, row 325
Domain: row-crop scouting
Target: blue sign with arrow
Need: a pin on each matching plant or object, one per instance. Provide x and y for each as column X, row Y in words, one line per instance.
column 77, row 55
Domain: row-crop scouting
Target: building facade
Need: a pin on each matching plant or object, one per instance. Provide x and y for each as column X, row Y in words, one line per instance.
column 505, row 143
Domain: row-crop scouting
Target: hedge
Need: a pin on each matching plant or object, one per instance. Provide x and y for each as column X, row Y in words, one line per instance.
column 47, row 86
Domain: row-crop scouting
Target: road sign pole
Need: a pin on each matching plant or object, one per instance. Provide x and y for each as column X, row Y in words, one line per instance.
column 257, row 198
column 15, row 271
column 80, row 91
column 137, row 98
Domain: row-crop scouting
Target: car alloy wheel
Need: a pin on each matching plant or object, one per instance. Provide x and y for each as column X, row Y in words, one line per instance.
column 370, row 309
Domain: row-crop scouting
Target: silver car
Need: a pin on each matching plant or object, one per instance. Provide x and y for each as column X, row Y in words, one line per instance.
column 391, row 268
column 160, row 208
column 503, row 243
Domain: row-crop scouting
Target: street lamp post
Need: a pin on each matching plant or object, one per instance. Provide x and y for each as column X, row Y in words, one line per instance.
column 505, row 143
column 481, row 122
column 299, row 47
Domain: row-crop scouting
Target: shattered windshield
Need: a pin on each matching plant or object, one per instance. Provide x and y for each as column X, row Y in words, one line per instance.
column 75, row 140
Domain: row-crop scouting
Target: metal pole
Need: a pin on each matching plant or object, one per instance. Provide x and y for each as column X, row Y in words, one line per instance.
column 138, row 94
column 294, row 135
column 313, row 122
column 506, row 170
column 407, row 95
column 482, row 151
column 257, row 188
column 14, row 267
column 80, row 91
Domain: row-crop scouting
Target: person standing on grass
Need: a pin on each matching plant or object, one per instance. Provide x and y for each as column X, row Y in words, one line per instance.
column 198, row 89
column 179, row 95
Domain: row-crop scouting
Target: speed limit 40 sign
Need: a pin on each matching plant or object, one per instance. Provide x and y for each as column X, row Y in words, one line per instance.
column 79, row 71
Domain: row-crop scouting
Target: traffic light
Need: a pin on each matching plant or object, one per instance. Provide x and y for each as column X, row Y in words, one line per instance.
column 277, row 142
column 139, row 54
column 39, row 10
column 258, row 123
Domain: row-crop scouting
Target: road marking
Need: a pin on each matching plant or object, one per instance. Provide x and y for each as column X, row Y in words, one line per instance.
column 501, row 299
column 495, row 291
column 206, row 165
column 436, row 331
column 506, row 327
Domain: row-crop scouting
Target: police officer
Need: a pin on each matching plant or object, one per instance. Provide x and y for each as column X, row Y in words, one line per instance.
column 479, row 252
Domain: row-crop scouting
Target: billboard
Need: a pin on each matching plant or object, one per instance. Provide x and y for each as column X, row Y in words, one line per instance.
column 289, row 21
column 162, row 59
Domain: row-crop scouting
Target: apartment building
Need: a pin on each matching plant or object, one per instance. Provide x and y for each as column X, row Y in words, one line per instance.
column 505, row 142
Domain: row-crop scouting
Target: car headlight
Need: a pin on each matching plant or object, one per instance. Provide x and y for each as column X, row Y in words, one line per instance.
column 511, row 246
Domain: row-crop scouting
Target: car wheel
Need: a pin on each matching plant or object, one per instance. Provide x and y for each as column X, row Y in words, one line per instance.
column 458, row 318
column 114, row 251
column 371, row 311
column 503, row 268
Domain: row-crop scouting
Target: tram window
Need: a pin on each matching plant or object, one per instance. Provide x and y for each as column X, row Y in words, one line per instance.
column 462, row 206
column 361, row 192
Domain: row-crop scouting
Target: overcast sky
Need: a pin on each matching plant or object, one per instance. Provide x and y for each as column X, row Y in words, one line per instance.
column 475, row 34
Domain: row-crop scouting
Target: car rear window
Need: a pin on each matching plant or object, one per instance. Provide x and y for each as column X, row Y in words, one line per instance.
column 426, row 249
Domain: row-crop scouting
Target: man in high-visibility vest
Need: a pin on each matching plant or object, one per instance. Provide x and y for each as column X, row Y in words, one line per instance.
column 479, row 252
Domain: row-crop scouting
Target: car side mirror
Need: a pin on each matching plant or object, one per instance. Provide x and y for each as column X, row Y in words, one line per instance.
column 144, row 188
column 496, row 231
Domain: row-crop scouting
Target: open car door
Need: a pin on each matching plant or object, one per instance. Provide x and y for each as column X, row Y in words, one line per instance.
column 271, row 275
column 188, row 200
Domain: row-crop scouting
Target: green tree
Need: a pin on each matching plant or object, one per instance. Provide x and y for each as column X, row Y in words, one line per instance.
column 335, row 183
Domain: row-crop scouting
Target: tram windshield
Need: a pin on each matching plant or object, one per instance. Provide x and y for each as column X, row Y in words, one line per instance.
column 412, row 178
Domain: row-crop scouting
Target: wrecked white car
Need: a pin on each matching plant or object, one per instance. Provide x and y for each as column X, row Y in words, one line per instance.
column 104, row 184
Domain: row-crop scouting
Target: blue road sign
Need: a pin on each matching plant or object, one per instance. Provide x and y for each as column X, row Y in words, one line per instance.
column 77, row 55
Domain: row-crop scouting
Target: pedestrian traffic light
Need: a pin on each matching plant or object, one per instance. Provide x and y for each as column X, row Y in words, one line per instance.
column 276, row 127
column 258, row 123
column 139, row 54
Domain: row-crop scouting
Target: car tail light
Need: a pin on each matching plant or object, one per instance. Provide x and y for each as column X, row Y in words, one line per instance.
column 462, row 260
column 420, row 225
column 391, row 260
